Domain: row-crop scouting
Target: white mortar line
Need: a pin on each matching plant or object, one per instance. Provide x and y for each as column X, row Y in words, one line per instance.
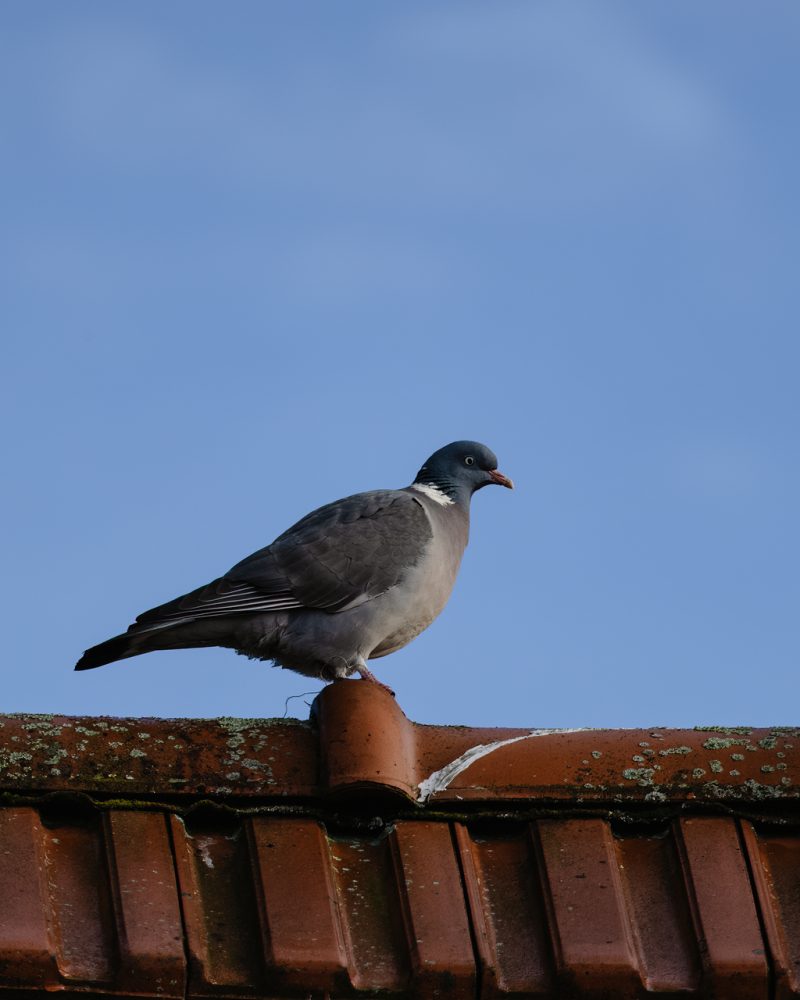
column 440, row 779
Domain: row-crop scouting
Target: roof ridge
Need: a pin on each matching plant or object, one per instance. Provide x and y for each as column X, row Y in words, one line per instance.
column 359, row 741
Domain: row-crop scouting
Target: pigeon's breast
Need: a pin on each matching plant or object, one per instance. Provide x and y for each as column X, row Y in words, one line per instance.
column 411, row 606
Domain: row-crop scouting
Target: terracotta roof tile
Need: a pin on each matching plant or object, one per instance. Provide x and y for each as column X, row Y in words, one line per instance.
column 304, row 944
column 222, row 927
column 146, row 905
column 724, row 908
column 432, row 901
column 774, row 859
column 364, row 854
column 507, row 910
column 26, row 954
column 659, row 912
column 80, row 911
column 587, row 912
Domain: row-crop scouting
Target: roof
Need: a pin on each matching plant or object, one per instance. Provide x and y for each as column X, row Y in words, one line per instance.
column 360, row 853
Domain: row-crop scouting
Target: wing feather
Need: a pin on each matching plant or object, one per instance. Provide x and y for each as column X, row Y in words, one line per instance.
column 220, row 597
column 346, row 552
column 335, row 558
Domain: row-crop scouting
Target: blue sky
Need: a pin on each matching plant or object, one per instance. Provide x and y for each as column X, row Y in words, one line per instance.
column 255, row 258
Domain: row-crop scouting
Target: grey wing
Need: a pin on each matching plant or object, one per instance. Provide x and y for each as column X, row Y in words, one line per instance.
column 334, row 558
column 343, row 554
column 218, row 598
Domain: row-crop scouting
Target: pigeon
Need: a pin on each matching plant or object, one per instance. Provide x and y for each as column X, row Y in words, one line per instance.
column 352, row 581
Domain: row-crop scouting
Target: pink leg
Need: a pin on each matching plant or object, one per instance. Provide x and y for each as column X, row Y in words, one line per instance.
column 367, row 675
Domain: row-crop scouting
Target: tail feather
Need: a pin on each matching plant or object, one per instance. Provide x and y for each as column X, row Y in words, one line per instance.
column 118, row 648
column 186, row 633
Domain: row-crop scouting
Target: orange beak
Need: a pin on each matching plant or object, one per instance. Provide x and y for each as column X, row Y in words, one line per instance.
column 500, row 479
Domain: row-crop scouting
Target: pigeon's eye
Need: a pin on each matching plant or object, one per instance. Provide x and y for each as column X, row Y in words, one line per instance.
column 469, row 460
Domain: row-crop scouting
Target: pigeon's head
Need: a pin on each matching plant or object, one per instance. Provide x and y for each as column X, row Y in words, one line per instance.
column 459, row 469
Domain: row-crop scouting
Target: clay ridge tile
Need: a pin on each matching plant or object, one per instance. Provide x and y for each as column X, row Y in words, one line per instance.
column 361, row 741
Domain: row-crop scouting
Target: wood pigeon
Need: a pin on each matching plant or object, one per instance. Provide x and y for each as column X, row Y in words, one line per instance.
column 352, row 581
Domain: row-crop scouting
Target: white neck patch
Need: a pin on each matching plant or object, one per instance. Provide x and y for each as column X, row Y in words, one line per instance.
column 433, row 493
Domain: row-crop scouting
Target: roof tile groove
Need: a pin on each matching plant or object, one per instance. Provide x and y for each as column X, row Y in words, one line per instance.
column 26, row 952
column 656, row 899
column 588, row 921
column 79, row 894
column 724, row 907
column 775, row 864
column 292, row 864
column 435, row 912
column 350, row 859
column 505, row 896
column 224, row 945
column 369, row 907
column 146, row 905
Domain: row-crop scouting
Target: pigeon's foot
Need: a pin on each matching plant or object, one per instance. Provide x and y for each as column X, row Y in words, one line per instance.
column 367, row 675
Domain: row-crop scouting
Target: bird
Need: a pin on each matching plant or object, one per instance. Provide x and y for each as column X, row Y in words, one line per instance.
column 352, row 581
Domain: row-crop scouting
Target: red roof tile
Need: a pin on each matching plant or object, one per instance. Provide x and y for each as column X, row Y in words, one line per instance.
column 251, row 858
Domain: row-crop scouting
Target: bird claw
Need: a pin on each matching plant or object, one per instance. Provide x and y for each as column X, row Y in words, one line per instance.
column 367, row 675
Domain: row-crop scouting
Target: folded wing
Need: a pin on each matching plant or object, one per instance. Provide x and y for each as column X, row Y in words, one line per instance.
column 335, row 558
